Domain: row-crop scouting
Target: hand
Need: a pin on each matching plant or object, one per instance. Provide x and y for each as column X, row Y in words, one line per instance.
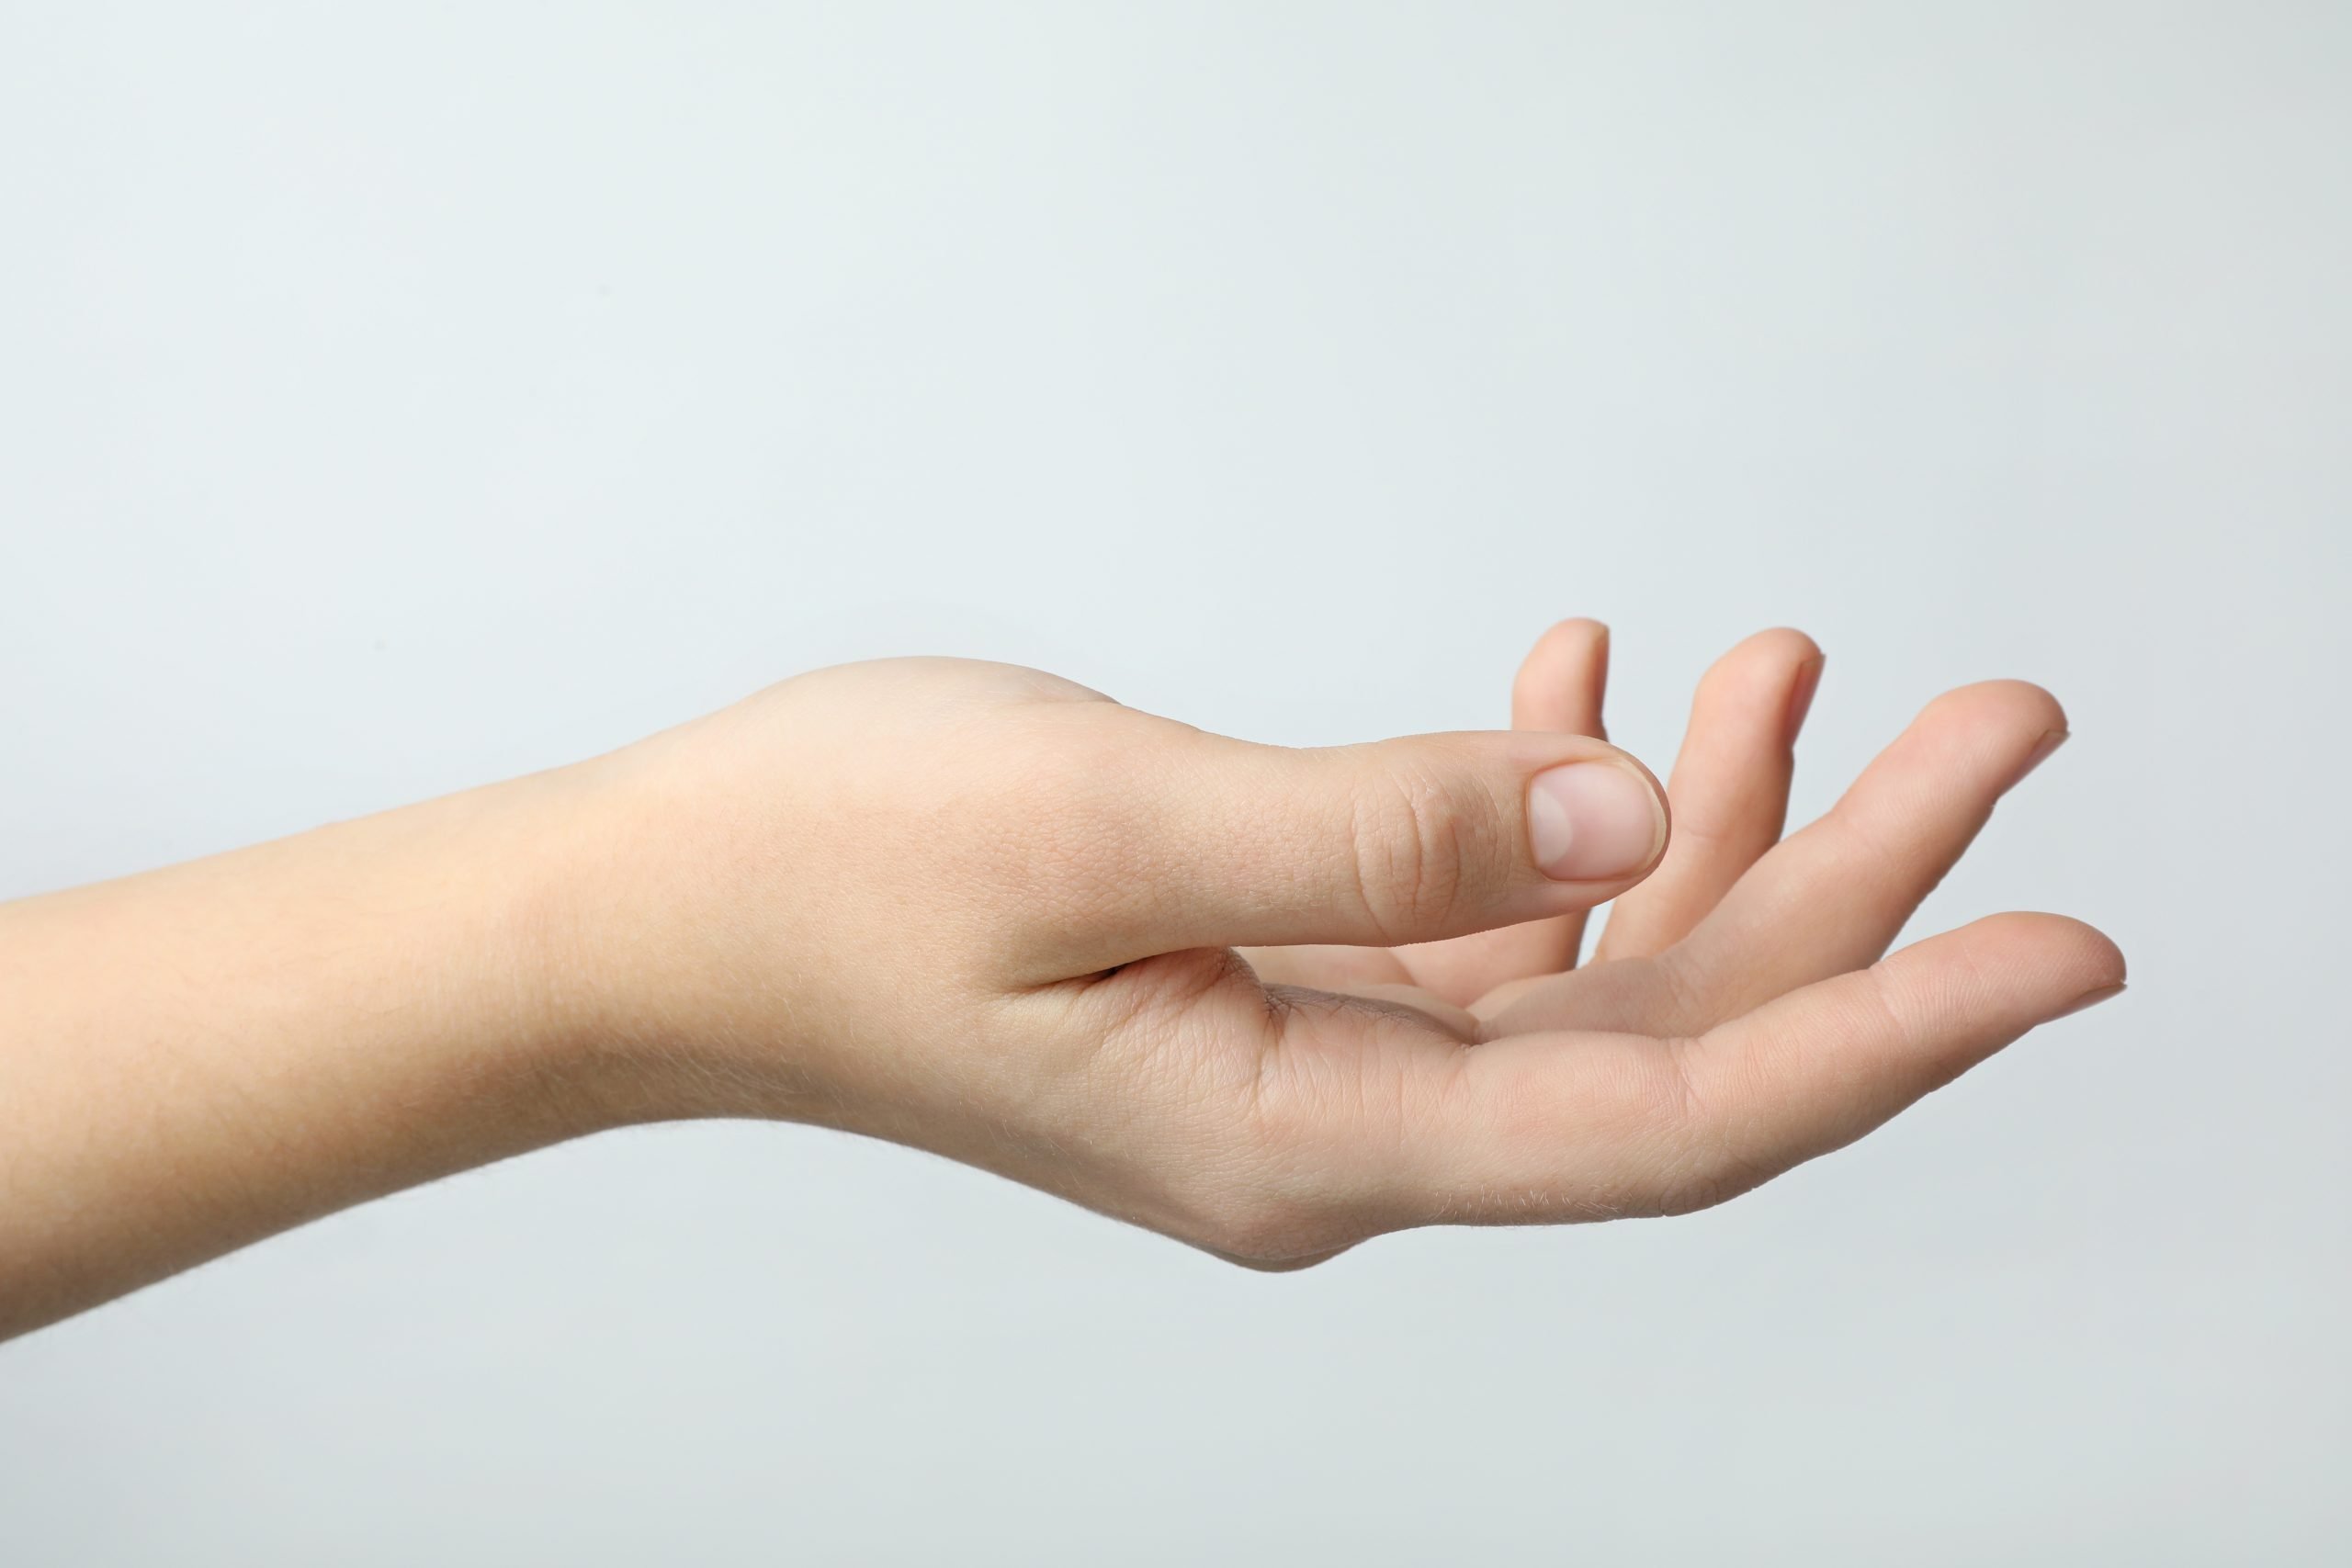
column 990, row 913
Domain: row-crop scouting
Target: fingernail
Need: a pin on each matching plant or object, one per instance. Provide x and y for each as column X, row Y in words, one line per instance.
column 2091, row 999
column 1592, row 822
column 1801, row 699
column 2050, row 740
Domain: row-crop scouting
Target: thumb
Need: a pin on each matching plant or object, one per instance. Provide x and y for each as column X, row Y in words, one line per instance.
column 1398, row 841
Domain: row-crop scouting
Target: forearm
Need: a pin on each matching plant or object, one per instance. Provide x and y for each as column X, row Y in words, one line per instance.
column 200, row 1056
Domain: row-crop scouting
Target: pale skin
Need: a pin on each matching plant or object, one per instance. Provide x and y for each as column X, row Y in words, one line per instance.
column 1269, row 1002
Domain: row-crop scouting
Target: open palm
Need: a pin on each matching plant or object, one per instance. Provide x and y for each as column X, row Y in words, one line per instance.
column 1735, row 1018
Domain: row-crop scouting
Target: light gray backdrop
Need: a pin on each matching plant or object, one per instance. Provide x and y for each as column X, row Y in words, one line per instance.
column 394, row 397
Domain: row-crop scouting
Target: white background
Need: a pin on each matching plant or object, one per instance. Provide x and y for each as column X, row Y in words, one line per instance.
column 394, row 397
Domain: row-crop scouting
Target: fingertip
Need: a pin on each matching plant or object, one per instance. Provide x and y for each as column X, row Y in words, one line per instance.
column 1597, row 821
column 1757, row 669
column 1562, row 680
column 1786, row 643
column 1801, row 696
column 2014, row 704
column 2058, row 958
column 1993, row 732
column 1565, row 643
column 2083, row 965
column 1580, row 630
column 1774, row 647
column 2088, row 953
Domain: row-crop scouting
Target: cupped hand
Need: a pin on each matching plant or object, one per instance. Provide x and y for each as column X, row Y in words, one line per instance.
column 983, row 911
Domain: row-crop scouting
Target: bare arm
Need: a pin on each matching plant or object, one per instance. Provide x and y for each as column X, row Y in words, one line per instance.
column 1271, row 1002
column 196, row 1057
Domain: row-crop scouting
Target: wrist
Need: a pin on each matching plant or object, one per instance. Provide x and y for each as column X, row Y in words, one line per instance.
column 661, row 983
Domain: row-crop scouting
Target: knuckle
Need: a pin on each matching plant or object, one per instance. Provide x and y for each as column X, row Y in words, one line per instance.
column 1685, row 1002
column 1708, row 1164
column 1413, row 840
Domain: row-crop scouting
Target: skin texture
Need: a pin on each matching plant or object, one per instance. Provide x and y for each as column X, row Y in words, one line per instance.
column 1271, row 1003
